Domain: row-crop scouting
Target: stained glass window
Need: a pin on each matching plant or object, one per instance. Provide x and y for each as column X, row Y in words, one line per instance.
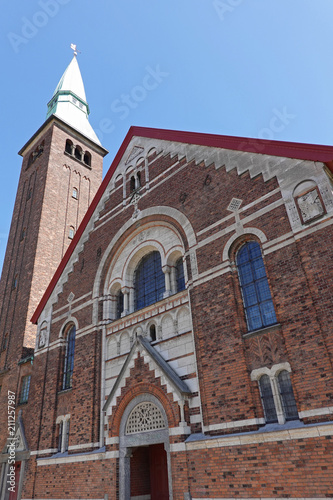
column 257, row 297
column 149, row 282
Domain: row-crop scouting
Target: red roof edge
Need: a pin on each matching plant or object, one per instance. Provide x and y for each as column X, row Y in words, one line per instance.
column 312, row 152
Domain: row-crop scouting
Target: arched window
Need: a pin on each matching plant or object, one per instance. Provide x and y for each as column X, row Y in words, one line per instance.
column 152, row 332
column 68, row 147
column 69, row 359
column 120, row 304
column 267, row 399
column 78, row 153
column 257, row 297
column 135, row 182
column 149, row 282
column 180, row 278
column 60, row 430
column 287, row 396
column 71, row 233
column 132, row 184
column 87, row 158
column 75, row 193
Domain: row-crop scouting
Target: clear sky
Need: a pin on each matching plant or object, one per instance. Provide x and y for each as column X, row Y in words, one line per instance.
column 252, row 68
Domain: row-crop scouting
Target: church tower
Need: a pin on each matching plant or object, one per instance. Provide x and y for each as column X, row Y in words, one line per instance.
column 61, row 172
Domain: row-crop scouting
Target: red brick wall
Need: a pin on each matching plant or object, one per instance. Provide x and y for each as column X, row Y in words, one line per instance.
column 140, row 472
column 46, row 216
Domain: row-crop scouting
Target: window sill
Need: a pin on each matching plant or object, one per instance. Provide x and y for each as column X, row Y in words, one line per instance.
column 262, row 331
column 77, row 160
column 64, row 391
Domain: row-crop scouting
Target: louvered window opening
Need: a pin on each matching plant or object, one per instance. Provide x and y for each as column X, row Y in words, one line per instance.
column 145, row 417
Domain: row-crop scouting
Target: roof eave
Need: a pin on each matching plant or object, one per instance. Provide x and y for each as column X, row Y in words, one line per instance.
column 58, row 120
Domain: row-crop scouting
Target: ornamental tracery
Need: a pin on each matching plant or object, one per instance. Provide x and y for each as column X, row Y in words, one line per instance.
column 145, row 417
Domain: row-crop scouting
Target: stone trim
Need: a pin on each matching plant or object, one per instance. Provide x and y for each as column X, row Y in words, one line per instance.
column 257, row 437
column 328, row 410
column 261, row 498
column 243, row 209
column 235, row 424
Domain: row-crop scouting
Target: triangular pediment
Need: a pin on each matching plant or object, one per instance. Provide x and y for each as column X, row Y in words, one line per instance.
column 156, row 362
column 16, row 441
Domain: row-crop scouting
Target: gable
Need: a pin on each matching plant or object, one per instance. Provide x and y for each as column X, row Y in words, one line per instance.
column 257, row 157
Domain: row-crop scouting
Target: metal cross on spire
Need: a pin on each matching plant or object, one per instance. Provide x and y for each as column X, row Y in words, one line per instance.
column 73, row 47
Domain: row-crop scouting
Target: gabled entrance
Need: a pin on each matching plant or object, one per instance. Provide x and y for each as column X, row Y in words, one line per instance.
column 144, row 451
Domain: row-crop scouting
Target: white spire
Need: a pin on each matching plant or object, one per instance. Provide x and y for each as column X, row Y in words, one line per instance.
column 69, row 100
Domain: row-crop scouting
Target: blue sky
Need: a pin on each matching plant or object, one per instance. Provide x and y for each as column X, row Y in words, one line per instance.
column 233, row 67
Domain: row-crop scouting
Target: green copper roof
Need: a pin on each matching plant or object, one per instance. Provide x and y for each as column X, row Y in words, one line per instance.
column 69, row 101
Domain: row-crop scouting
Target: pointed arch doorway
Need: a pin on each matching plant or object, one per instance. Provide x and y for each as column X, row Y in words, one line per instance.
column 144, row 451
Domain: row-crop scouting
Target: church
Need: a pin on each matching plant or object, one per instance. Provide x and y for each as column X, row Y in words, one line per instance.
column 166, row 332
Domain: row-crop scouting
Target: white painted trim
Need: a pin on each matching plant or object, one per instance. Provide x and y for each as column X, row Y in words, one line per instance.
column 83, row 446
column 305, row 432
column 195, row 419
column 44, row 452
column 177, row 447
column 180, row 430
column 328, row 410
column 261, row 498
column 240, row 232
column 232, row 425
column 74, row 458
column 112, row 454
column 317, row 227
column 112, row 440
column 213, row 273
column 243, row 209
column 278, row 240
column 55, row 311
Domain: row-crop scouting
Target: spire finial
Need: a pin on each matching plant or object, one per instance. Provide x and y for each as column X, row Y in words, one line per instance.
column 73, row 47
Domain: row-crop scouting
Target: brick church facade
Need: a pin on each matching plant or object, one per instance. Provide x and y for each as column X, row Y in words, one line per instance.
column 183, row 347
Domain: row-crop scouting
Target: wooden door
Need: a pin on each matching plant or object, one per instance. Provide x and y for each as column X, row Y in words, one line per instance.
column 159, row 485
column 13, row 494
